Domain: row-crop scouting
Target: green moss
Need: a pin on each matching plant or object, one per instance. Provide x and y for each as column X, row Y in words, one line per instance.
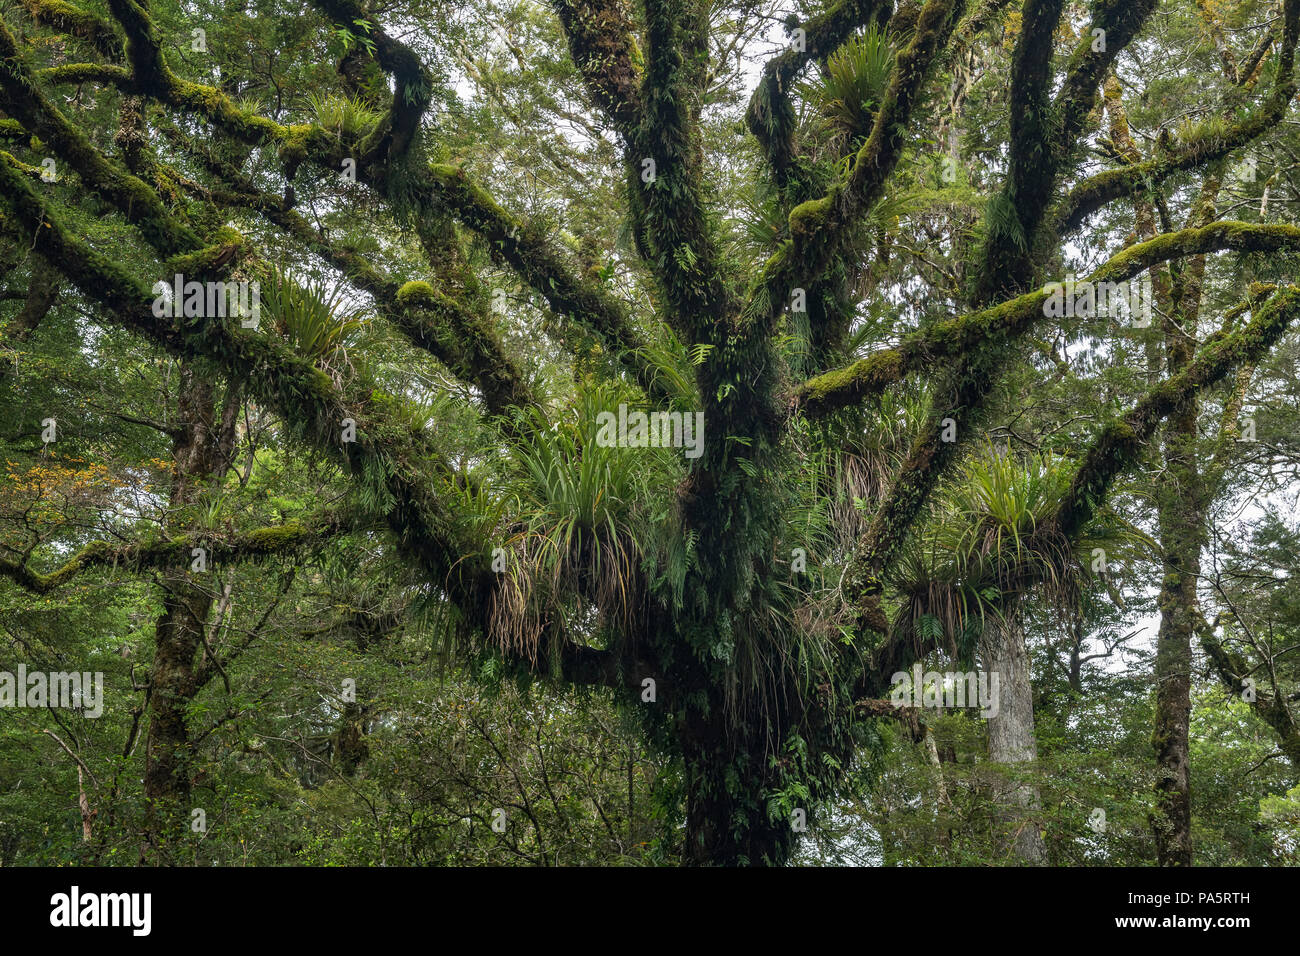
column 295, row 142
column 49, row 9
column 85, row 73
column 95, row 551
column 18, row 164
column 220, row 256
column 77, row 22
column 210, row 102
column 842, row 386
column 274, row 539
column 474, row 198
column 52, row 11
column 1121, row 433
column 808, row 218
column 323, row 385
column 416, row 293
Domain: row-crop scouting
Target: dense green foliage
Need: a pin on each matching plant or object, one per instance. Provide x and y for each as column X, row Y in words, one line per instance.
column 367, row 585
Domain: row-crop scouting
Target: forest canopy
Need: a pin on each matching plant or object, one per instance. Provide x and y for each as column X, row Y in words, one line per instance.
column 644, row 432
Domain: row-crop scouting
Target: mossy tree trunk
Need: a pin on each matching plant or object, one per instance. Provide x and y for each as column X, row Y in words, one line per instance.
column 202, row 450
column 1183, row 500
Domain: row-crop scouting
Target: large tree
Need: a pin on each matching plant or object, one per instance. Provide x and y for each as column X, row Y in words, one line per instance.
column 849, row 309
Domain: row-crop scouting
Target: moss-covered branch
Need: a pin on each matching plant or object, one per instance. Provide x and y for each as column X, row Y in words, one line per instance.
column 87, row 73
column 139, row 204
column 74, row 21
column 1097, row 191
column 1138, row 178
column 957, row 401
column 818, row 226
column 1117, row 448
column 383, row 450
column 459, row 337
column 600, row 38
column 770, row 116
column 1118, row 21
column 932, row 346
column 413, row 87
column 33, row 172
column 1014, row 214
column 672, row 203
column 218, row 547
column 536, row 260
column 463, row 340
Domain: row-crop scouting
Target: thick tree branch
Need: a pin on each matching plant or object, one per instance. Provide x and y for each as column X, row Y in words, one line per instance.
column 219, row 548
column 930, row 347
column 140, row 204
column 770, row 116
column 382, row 449
column 1096, row 191
column 1118, row 21
column 818, row 226
column 74, row 21
column 600, row 38
column 458, row 336
column 671, row 203
column 413, row 87
column 1117, row 448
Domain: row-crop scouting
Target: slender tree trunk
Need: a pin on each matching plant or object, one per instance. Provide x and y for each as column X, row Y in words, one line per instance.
column 1183, row 502
column 1181, row 527
column 84, row 803
column 1011, row 736
column 42, row 293
column 201, row 450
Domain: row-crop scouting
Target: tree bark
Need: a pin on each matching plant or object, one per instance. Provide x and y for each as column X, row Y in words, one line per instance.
column 1011, row 737
column 1181, row 528
column 726, row 812
column 1183, row 502
column 201, row 450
